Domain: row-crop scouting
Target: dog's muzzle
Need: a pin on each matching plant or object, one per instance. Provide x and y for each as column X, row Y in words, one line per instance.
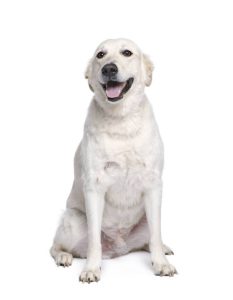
column 114, row 89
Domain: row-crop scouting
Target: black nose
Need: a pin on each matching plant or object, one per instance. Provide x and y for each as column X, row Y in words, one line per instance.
column 109, row 70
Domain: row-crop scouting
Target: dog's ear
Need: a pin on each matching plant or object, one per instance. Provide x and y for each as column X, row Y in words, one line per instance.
column 88, row 74
column 88, row 69
column 147, row 68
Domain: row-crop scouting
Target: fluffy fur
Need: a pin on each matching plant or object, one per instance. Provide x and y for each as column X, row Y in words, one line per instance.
column 115, row 202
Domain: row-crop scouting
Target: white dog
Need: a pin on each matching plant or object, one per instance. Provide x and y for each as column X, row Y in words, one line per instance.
column 115, row 203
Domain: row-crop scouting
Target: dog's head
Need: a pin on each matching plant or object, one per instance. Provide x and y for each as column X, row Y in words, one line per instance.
column 117, row 71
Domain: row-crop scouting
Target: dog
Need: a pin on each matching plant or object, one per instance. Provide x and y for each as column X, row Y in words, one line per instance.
column 114, row 206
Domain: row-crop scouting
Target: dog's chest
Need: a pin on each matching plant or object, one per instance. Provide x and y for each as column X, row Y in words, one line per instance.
column 128, row 167
column 124, row 205
column 124, row 157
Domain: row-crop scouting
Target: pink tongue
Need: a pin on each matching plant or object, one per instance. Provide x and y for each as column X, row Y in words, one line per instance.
column 114, row 91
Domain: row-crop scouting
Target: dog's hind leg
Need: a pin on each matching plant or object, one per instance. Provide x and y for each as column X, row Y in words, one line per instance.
column 138, row 239
column 61, row 258
column 71, row 238
column 166, row 250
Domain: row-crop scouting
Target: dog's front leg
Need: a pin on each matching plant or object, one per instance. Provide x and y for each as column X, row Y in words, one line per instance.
column 94, row 202
column 160, row 263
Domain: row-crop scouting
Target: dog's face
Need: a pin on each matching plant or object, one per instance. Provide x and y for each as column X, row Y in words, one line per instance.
column 117, row 71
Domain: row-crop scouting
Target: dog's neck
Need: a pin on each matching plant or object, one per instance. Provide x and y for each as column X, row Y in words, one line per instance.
column 115, row 121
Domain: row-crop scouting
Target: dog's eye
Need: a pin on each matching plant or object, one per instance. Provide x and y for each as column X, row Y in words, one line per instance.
column 100, row 54
column 127, row 53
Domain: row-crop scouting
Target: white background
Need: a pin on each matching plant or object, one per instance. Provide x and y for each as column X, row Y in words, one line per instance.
column 45, row 46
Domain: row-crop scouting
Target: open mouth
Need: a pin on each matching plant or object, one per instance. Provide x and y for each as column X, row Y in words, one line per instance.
column 115, row 90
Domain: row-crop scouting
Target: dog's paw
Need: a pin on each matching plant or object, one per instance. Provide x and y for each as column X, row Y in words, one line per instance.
column 164, row 269
column 64, row 259
column 90, row 276
column 167, row 250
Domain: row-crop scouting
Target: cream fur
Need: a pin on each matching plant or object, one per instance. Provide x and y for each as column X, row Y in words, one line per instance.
column 114, row 205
